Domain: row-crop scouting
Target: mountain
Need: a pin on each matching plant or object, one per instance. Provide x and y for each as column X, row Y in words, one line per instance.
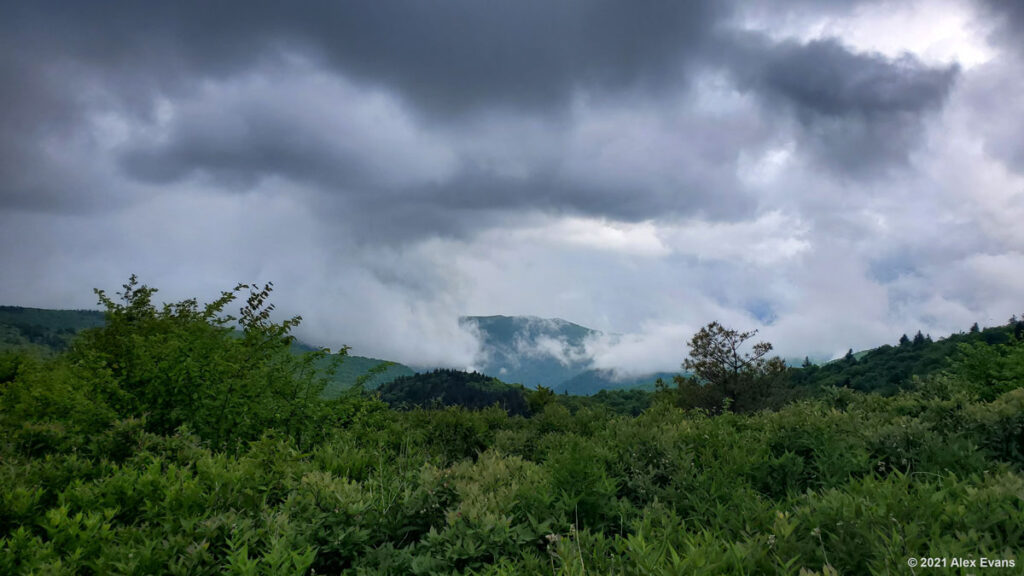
column 547, row 352
column 53, row 330
column 529, row 350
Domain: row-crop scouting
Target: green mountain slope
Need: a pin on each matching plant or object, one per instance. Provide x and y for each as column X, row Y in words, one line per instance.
column 217, row 460
column 353, row 368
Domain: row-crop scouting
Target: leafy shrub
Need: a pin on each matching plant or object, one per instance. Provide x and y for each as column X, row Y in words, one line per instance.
column 583, row 492
column 182, row 364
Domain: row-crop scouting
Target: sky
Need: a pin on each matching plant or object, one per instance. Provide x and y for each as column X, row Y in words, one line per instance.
column 831, row 174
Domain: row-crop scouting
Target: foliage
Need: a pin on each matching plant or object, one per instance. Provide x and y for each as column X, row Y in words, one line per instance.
column 716, row 358
column 46, row 332
column 185, row 365
column 889, row 369
column 627, row 402
column 50, row 330
column 726, row 377
column 100, row 475
column 444, row 387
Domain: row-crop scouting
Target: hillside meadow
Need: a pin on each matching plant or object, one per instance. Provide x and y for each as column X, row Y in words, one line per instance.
column 162, row 442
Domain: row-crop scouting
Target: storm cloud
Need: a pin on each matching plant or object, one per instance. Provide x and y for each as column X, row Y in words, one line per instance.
column 859, row 113
column 639, row 169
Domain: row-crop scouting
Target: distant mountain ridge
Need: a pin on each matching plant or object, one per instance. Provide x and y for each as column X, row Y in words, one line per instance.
column 529, row 350
column 526, row 350
column 551, row 352
column 39, row 327
column 548, row 352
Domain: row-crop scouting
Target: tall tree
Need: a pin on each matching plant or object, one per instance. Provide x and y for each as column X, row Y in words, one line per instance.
column 717, row 360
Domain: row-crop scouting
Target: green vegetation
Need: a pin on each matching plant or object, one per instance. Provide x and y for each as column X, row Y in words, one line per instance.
column 162, row 442
column 51, row 331
column 442, row 388
column 34, row 328
column 889, row 369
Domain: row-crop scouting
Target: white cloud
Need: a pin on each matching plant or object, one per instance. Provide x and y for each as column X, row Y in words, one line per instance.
column 656, row 347
column 938, row 32
column 638, row 239
column 771, row 238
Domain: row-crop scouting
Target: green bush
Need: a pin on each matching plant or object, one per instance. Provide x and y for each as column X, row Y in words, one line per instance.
column 182, row 364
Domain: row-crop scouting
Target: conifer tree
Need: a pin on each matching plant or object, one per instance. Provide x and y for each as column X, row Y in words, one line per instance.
column 717, row 360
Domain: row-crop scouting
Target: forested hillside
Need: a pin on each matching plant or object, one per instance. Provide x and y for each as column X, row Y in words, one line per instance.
column 48, row 329
column 167, row 441
column 441, row 388
column 888, row 369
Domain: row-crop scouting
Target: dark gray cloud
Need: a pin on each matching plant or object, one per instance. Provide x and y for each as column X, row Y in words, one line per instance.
column 996, row 108
column 1007, row 17
column 445, row 65
column 63, row 61
column 451, row 55
column 860, row 113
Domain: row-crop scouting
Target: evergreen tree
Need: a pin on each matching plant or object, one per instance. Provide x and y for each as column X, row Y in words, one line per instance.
column 904, row 341
column 918, row 338
column 974, row 328
column 717, row 362
column 850, row 358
